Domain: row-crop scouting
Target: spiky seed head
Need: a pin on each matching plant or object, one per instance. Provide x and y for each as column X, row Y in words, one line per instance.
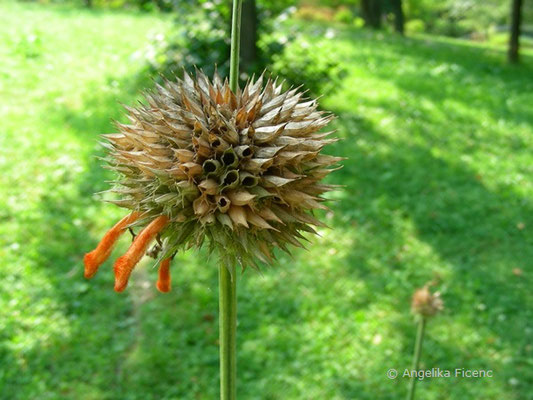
column 240, row 169
column 425, row 303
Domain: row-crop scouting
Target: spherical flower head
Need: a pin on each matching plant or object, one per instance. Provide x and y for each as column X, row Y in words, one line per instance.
column 425, row 303
column 241, row 171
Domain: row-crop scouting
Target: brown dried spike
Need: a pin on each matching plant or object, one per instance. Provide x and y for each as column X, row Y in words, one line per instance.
column 119, row 139
column 209, row 186
column 253, row 111
column 240, row 197
column 256, row 220
column 191, row 169
column 257, row 165
column 268, row 133
column 177, row 173
column 201, row 206
column 184, row 156
column 268, row 152
column 238, row 215
column 265, row 250
column 269, row 215
column 241, row 119
column 219, row 98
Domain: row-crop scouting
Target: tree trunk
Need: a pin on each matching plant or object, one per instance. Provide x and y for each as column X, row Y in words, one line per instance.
column 516, row 16
column 249, row 34
column 398, row 16
column 371, row 12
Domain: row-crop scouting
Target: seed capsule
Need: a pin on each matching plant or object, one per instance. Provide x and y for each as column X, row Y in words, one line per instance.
column 198, row 161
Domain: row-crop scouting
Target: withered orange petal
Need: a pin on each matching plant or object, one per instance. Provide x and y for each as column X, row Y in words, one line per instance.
column 163, row 281
column 122, row 273
column 95, row 258
column 90, row 260
column 125, row 264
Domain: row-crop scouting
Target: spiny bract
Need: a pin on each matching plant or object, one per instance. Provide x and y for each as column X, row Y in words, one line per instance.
column 240, row 169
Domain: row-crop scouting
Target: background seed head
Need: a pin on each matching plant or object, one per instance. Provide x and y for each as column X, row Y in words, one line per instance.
column 425, row 303
column 240, row 169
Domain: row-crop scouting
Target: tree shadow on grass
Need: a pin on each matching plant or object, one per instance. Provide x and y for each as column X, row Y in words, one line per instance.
column 398, row 188
column 471, row 228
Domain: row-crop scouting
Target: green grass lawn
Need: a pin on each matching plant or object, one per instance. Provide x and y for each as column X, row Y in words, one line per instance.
column 439, row 136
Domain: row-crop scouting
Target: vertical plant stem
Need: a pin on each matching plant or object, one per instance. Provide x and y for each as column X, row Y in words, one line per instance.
column 227, row 276
column 227, row 298
column 235, row 45
column 416, row 357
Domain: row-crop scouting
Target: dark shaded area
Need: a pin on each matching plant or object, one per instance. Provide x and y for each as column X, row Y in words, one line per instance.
column 371, row 13
column 399, row 17
column 514, row 37
column 249, row 34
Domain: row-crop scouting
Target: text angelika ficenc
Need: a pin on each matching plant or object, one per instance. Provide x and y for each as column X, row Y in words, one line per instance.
column 447, row 373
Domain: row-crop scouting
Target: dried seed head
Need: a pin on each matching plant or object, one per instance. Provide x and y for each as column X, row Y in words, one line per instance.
column 425, row 303
column 240, row 169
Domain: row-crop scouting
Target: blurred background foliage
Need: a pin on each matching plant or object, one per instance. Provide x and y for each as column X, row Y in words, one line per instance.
column 199, row 38
column 438, row 132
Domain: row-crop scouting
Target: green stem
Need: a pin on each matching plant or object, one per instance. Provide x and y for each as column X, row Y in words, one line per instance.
column 416, row 357
column 227, row 275
column 235, row 45
column 228, row 331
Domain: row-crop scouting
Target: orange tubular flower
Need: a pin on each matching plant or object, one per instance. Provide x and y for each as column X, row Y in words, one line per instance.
column 163, row 282
column 125, row 264
column 95, row 258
